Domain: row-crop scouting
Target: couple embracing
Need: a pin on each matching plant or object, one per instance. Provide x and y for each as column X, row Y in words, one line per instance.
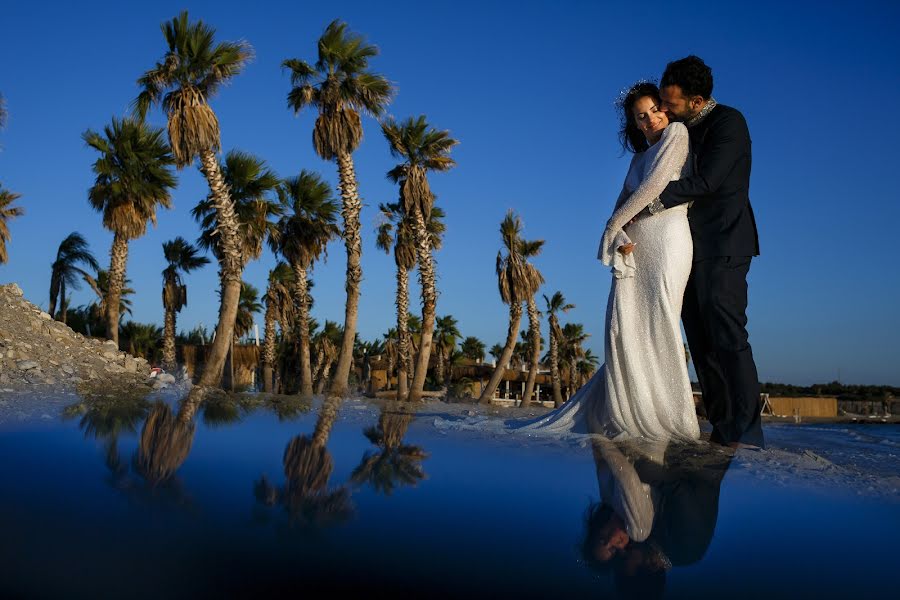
column 679, row 242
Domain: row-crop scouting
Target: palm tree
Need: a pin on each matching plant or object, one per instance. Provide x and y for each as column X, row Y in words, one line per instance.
column 555, row 305
column 7, row 212
column 340, row 87
column 100, row 286
column 571, row 351
column 326, row 342
column 249, row 182
column 395, row 463
column 472, row 348
column 64, row 271
column 496, row 351
column 192, row 70
column 134, row 176
column 529, row 250
column 182, row 258
column 144, row 339
column 247, row 307
column 587, row 366
column 396, row 232
column 279, row 301
column 422, row 149
column 518, row 280
column 445, row 334
column 301, row 236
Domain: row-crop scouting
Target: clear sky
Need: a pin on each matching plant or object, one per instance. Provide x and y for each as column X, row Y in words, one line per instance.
column 528, row 89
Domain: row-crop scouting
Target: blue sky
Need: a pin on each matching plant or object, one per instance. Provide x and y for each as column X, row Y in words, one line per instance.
column 529, row 93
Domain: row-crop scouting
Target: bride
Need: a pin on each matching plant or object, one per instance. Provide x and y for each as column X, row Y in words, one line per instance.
column 643, row 389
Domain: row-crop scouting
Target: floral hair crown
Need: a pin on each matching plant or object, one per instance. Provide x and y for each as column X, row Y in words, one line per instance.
column 625, row 92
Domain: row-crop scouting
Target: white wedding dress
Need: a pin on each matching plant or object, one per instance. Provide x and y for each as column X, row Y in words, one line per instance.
column 643, row 389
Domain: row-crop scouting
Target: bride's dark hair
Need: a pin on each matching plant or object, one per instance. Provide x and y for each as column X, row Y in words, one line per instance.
column 632, row 138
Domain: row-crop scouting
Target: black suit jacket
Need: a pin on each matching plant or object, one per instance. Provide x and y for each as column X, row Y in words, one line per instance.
column 721, row 218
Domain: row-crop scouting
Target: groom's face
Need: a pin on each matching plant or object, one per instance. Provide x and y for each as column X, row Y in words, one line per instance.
column 678, row 106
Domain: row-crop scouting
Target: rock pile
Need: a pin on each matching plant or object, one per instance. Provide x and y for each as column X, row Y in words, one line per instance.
column 36, row 351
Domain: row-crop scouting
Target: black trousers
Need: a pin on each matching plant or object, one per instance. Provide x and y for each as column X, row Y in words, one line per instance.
column 715, row 321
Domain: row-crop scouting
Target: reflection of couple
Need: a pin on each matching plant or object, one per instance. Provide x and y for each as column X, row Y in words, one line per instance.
column 659, row 507
column 679, row 243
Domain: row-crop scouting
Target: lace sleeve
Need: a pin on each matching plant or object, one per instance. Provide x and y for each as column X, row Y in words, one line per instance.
column 666, row 166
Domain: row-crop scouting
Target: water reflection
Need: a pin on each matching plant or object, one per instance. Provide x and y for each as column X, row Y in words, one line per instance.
column 658, row 510
column 306, row 495
column 166, row 440
column 394, row 464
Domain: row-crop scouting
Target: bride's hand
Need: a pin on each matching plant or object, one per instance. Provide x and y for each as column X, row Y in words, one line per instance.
column 626, row 249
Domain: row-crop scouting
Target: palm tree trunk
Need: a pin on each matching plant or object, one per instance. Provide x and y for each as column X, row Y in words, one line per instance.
column 320, row 361
column 515, row 316
column 118, row 257
column 439, row 366
column 169, row 361
column 554, row 363
column 402, row 333
column 301, row 295
column 268, row 349
column 429, row 300
column 534, row 330
column 353, row 242
column 325, row 422
column 324, row 381
column 231, row 267
column 54, row 292
column 63, row 305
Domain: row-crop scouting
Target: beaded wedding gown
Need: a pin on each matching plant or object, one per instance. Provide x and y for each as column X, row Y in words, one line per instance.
column 643, row 389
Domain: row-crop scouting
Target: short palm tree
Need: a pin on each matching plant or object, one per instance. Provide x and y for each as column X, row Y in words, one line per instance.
column 193, row 69
column 517, row 280
column 422, row 148
column 587, row 366
column 65, row 272
column 571, row 351
column 395, row 232
column 279, row 301
column 472, row 348
column 301, row 236
column 446, row 332
column 496, row 351
column 326, row 342
column 556, row 305
column 7, row 212
column 143, row 339
column 134, row 177
column 248, row 306
column 340, row 87
column 394, row 463
column 182, row 258
column 250, row 183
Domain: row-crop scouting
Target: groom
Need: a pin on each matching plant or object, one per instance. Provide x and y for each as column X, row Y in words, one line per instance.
column 725, row 239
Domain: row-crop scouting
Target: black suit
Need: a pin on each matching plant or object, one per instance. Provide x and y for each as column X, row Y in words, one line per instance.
column 715, row 302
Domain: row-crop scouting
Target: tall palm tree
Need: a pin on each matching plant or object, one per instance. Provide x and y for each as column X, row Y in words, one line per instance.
column 279, row 301
column 192, row 70
column 64, row 271
column 248, row 306
column 182, row 258
column 531, row 249
column 555, row 305
column 445, row 334
column 395, row 231
column 517, row 280
column 340, row 87
column 301, row 236
column 7, row 212
column 134, row 176
column 422, row 148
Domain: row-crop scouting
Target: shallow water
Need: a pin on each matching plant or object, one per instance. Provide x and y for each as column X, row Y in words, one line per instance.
column 282, row 500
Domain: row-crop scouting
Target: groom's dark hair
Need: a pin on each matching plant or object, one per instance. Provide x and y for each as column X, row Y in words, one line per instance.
column 690, row 74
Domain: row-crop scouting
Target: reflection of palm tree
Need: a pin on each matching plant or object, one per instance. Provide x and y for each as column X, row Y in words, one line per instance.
column 166, row 440
column 307, row 468
column 394, row 463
